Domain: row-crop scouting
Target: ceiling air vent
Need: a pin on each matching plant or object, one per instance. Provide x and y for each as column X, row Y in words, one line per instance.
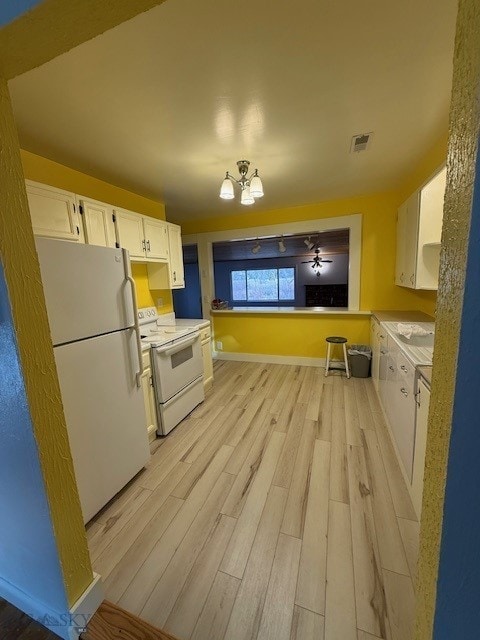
column 361, row 142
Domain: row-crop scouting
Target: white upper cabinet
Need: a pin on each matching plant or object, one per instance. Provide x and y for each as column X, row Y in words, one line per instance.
column 145, row 238
column 419, row 229
column 171, row 275
column 53, row 212
column 156, row 239
column 177, row 274
column 98, row 222
column 130, row 233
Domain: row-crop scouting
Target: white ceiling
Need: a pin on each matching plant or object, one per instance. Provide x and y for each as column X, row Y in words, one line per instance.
column 164, row 104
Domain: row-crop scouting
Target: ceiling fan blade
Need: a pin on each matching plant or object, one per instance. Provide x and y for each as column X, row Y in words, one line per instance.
column 327, row 260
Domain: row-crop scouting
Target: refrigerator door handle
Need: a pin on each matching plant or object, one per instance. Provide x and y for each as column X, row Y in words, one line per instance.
column 136, row 326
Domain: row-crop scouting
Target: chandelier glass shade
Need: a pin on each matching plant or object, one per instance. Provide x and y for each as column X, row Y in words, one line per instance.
column 251, row 187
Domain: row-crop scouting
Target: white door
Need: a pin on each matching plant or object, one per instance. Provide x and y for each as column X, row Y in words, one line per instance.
column 156, row 238
column 177, row 276
column 86, row 290
column 130, row 232
column 98, row 222
column 53, row 212
column 105, row 415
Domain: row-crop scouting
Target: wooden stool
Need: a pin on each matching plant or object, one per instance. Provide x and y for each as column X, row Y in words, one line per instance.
column 337, row 340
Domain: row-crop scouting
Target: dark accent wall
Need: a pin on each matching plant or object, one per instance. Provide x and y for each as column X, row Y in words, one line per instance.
column 334, row 273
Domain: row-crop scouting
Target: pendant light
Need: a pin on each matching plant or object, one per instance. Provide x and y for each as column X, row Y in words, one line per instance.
column 251, row 187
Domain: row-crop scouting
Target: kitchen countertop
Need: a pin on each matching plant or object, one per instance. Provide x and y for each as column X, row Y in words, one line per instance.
column 426, row 373
column 402, row 316
column 198, row 323
column 293, row 310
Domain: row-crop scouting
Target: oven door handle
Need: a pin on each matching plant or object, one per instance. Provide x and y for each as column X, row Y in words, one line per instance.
column 177, row 346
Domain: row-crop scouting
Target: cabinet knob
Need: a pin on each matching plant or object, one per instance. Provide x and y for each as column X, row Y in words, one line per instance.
column 174, row 276
column 404, row 368
column 391, row 368
column 404, row 391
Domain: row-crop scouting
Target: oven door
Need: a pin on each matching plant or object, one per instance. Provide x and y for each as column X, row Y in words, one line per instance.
column 177, row 365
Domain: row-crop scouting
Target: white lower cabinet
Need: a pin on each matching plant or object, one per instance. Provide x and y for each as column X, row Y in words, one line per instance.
column 149, row 397
column 53, row 212
column 423, row 403
column 206, row 340
column 405, row 407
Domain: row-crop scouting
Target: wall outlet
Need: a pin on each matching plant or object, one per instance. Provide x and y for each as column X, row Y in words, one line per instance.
column 219, row 345
column 159, row 302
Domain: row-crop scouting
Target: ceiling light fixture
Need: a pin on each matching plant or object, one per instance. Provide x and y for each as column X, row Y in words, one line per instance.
column 281, row 245
column 309, row 243
column 256, row 247
column 251, row 186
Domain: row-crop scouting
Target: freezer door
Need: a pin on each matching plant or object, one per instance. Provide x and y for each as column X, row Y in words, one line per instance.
column 86, row 289
column 105, row 415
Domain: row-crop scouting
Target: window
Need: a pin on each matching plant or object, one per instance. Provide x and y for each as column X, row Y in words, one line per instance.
column 263, row 285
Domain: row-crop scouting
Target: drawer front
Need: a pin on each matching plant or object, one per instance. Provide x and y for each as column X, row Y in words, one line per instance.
column 205, row 334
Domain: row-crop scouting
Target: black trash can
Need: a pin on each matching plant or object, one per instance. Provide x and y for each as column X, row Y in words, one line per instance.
column 360, row 357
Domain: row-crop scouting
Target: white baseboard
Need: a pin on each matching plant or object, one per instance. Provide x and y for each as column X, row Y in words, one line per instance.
column 86, row 606
column 271, row 359
column 67, row 624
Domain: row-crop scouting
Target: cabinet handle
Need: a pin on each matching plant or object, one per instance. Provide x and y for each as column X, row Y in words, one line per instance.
column 382, row 337
column 412, row 278
column 404, row 368
column 148, row 245
column 402, row 277
column 384, row 353
column 151, row 381
column 174, row 276
column 144, row 245
column 391, row 368
column 404, row 391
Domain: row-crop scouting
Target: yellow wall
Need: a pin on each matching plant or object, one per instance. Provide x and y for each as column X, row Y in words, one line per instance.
column 304, row 335
column 147, row 297
column 57, row 175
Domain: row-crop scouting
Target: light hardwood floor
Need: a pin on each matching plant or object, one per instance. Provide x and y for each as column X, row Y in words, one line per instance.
column 275, row 511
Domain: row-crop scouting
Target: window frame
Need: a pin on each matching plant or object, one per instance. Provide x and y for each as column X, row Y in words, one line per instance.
column 277, row 300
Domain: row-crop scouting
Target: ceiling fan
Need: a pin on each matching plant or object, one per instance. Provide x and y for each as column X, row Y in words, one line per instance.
column 316, row 262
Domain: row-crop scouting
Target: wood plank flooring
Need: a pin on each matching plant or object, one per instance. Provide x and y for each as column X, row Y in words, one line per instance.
column 276, row 510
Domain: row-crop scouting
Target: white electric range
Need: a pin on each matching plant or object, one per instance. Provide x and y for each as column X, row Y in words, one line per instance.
column 177, row 366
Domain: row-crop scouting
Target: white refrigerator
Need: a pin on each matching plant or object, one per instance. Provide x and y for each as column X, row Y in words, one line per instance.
column 91, row 305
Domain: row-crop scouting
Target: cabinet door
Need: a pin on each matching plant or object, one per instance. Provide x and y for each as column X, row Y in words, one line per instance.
column 207, row 363
column 423, row 403
column 382, row 370
column 407, row 242
column 98, row 222
column 411, row 239
column 177, row 275
column 156, row 238
column 400, row 269
column 130, row 232
column 53, row 212
column 375, row 342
